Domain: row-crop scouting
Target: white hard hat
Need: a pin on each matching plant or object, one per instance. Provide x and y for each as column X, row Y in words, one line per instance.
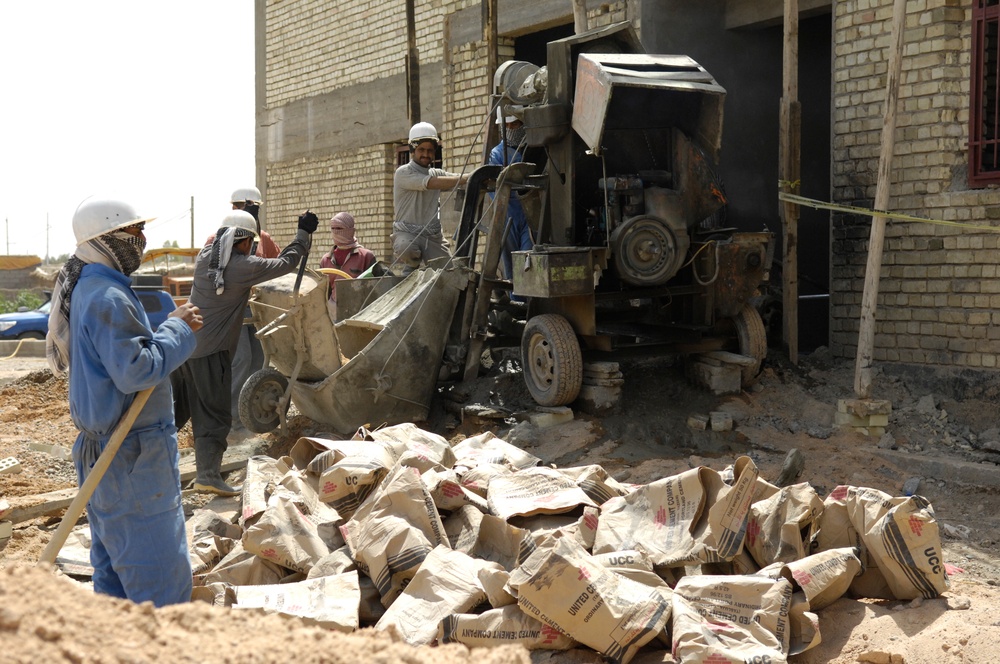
column 501, row 119
column 246, row 194
column 422, row 131
column 95, row 217
column 240, row 219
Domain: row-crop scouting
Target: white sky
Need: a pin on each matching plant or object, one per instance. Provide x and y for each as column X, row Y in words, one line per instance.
column 148, row 102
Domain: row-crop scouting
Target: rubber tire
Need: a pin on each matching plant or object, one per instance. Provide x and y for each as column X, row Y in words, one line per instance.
column 31, row 335
column 752, row 337
column 551, row 360
column 258, row 400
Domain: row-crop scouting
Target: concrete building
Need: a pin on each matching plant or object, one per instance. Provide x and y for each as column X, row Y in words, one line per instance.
column 332, row 121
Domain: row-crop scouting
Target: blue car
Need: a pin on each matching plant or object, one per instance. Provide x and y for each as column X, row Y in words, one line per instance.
column 34, row 324
column 31, row 324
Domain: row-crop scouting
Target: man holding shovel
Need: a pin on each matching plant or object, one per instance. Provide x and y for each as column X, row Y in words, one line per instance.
column 224, row 273
column 99, row 332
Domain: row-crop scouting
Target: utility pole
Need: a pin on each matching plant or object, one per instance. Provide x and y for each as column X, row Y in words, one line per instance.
column 6, row 228
column 865, row 357
column 192, row 222
column 46, row 238
column 488, row 10
column 412, row 65
column 789, row 170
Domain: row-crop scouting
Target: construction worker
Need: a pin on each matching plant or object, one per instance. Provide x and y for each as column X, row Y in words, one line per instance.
column 416, row 192
column 99, row 331
column 224, row 273
column 517, row 234
column 249, row 354
column 346, row 255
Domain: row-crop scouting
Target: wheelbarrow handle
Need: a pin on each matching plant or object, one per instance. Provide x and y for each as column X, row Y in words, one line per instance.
column 75, row 508
column 298, row 277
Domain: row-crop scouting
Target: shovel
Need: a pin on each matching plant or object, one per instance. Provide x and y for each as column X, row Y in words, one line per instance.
column 75, row 508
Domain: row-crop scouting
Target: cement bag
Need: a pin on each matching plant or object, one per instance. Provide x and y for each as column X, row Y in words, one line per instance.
column 898, row 538
column 347, row 483
column 731, row 619
column 478, row 479
column 686, row 519
column 565, row 588
column 446, row 583
column 448, row 492
column 595, row 482
column 780, row 527
column 534, row 491
column 330, row 602
column 487, row 537
column 243, row 568
column 823, row 577
column 287, row 536
column 409, row 437
column 488, row 449
column 262, row 472
column 498, row 627
column 393, row 531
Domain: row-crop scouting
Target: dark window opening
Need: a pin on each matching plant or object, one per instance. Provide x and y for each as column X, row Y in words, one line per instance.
column 403, row 156
column 984, row 108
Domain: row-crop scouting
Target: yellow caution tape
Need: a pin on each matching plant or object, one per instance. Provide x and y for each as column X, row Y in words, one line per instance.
column 820, row 205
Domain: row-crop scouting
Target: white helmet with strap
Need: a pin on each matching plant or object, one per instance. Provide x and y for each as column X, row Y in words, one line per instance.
column 95, row 217
column 422, row 131
column 241, row 220
column 245, row 194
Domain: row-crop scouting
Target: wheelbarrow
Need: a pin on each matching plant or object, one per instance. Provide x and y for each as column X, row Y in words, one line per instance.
column 379, row 366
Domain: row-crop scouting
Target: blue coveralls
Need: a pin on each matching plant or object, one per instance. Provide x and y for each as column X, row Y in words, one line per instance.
column 519, row 235
column 138, row 546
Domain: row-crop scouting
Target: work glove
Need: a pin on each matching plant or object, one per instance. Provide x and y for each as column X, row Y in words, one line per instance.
column 308, row 222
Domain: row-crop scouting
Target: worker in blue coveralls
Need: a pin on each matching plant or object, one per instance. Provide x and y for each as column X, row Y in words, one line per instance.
column 99, row 333
column 517, row 235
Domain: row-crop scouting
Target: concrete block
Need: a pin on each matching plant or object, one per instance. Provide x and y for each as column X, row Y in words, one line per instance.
column 848, row 420
column 698, row 422
column 720, row 421
column 864, row 407
column 58, row 451
column 720, row 380
column 5, row 508
column 598, row 399
column 10, row 465
column 606, row 368
column 548, row 417
column 6, row 529
column 603, row 382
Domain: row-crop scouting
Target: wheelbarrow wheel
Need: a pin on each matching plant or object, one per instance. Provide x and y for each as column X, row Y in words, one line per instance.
column 553, row 364
column 260, row 398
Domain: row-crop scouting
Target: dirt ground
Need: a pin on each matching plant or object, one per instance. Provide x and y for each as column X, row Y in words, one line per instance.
column 645, row 439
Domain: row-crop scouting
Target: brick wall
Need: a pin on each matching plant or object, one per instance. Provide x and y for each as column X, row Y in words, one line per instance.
column 939, row 297
column 359, row 182
column 315, row 47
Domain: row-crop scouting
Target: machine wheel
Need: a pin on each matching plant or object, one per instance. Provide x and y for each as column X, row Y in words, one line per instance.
column 752, row 336
column 31, row 335
column 259, row 400
column 553, row 364
column 645, row 251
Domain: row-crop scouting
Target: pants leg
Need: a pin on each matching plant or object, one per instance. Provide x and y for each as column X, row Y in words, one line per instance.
column 407, row 251
column 242, row 361
column 435, row 246
column 139, row 547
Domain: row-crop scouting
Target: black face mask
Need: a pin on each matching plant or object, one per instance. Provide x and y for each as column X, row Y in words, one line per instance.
column 253, row 209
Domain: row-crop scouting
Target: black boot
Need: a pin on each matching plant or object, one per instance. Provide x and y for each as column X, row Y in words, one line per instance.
column 208, row 461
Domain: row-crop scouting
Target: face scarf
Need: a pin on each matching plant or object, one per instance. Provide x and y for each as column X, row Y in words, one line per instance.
column 117, row 250
column 222, row 251
column 515, row 138
column 342, row 228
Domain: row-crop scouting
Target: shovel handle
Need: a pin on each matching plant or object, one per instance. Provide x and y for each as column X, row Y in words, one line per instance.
column 76, row 507
column 298, row 277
